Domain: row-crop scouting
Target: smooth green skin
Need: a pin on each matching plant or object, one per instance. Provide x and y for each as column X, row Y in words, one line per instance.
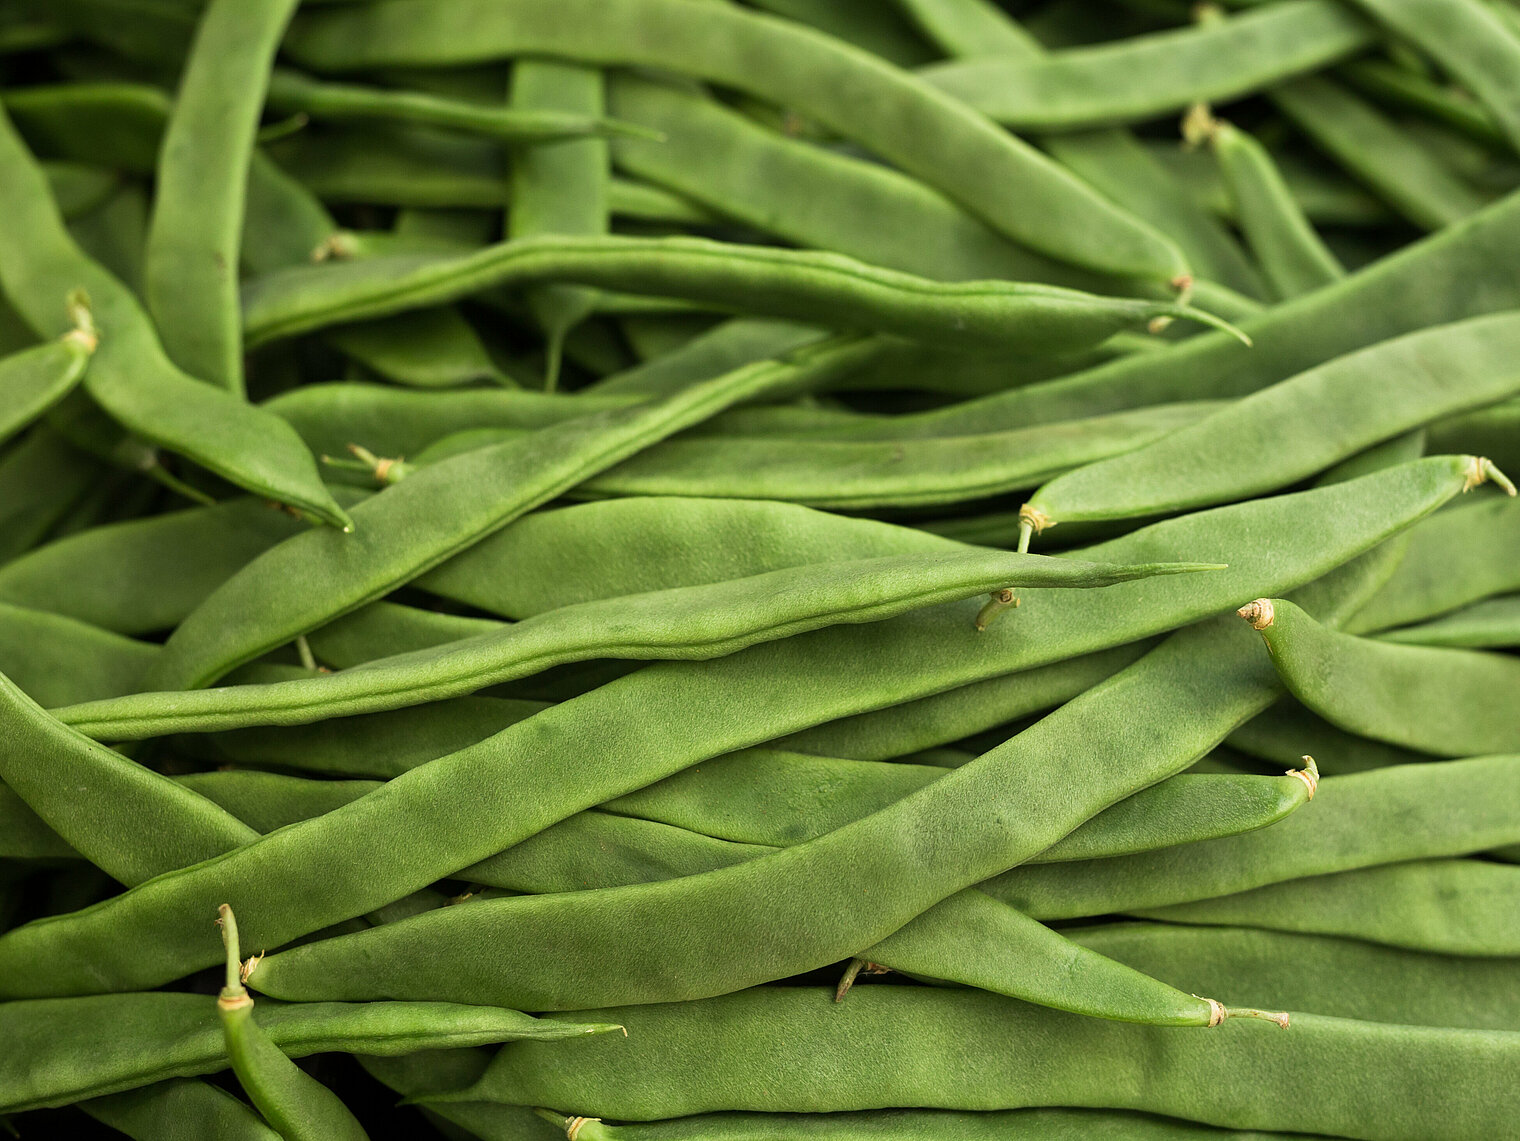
column 1377, row 152
column 801, row 285
column 387, row 851
column 428, row 348
column 61, row 1055
column 1494, row 432
column 408, row 529
column 59, row 660
column 180, row 1109
column 1488, row 625
column 1345, row 978
column 1287, row 731
column 35, row 379
column 860, row 22
column 41, row 479
column 1326, row 197
column 291, row 92
column 283, row 223
column 1449, row 907
column 1471, row 43
column 129, row 375
column 129, row 820
column 936, row 1047
column 1292, row 256
column 1450, row 703
column 1400, row 86
column 559, row 189
column 144, row 575
column 891, row 113
column 192, row 254
column 846, row 475
column 1408, row 812
column 1454, row 558
column 1300, row 426
column 686, row 622
column 729, row 344
column 295, row 1103
column 1459, row 273
column 812, row 196
column 1145, row 77
column 385, row 629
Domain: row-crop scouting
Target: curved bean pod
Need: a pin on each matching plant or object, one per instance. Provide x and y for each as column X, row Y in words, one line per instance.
column 427, row 348
column 1492, row 624
column 180, row 1109
column 1281, row 434
column 129, row 375
column 1144, row 77
column 860, row 96
column 1449, row 907
column 1420, row 1084
column 33, row 380
column 1286, row 731
column 801, row 285
column 699, row 621
column 1439, row 701
column 59, row 660
column 1409, row 812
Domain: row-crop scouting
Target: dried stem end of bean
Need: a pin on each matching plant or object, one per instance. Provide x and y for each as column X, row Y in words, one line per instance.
column 852, row 972
column 1278, row 1016
column 234, row 995
column 1198, row 126
column 1032, row 521
column 1000, row 601
column 1309, row 774
column 1259, row 613
column 1183, row 284
column 384, row 470
column 1481, row 469
column 84, row 334
column 336, row 247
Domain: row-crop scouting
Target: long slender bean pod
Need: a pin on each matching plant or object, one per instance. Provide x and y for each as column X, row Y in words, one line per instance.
column 179, row 1109
column 35, row 379
column 1488, row 625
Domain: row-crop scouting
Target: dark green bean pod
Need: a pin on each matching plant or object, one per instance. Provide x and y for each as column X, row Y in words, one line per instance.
column 59, row 1054
column 295, row 1103
column 1409, row 812
column 180, row 1109
column 1448, row 907
column 949, row 147
column 1488, row 625
column 1440, row 701
column 1416, row 1083
column 800, row 285
column 1287, row 731
column 1148, row 76
column 42, row 478
column 129, row 376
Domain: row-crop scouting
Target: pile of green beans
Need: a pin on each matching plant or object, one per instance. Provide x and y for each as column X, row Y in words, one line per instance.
column 752, row 570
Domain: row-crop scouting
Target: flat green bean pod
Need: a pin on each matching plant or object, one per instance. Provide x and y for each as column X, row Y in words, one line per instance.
column 139, row 938
column 948, row 146
column 698, row 621
column 1440, row 701
column 1408, row 812
column 179, row 1109
column 42, row 477
column 161, row 1035
column 1417, row 1083
column 59, row 660
column 1448, row 907
column 1488, row 625
column 1287, row 731
column 129, row 376
column 33, row 380
column 1145, row 77
column 428, row 348
column 385, row 629
column 800, row 285
column 1282, row 434
column 1498, row 426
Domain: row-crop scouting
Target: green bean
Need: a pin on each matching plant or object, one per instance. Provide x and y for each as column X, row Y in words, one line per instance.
column 441, row 512
column 180, row 1109
column 118, row 125
column 795, row 284
column 1376, row 152
column 60, row 661
column 295, row 1103
column 628, row 198
column 1454, row 558
column 1148, row 76
column 1409, row 812
column 1288, row 730
column 861, row 97
column 144, row 575
column 729, row 344
column 78, row 187
column 192, row 248
column 25, row 836
column 114, row 235
column 35, row 379
column 1402, row 87
column 427, row 348
column 1470, row 42
column 60, row 1054
column 1221, row 457
column 1341, row 977
column 1496, row 426
column 1437, row 700
column 283, row 223
column 846, row 474
column 385, row 629
column 1291, row 254
column 1450, row 907
column 129, row 375
column 139, row 938
column 800, row 1055
column 41, row 478
column 1491, row 624
column 559, row 190
column 699, row 621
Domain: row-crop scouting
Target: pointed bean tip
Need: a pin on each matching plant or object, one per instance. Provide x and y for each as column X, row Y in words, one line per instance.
column 1204, row 317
